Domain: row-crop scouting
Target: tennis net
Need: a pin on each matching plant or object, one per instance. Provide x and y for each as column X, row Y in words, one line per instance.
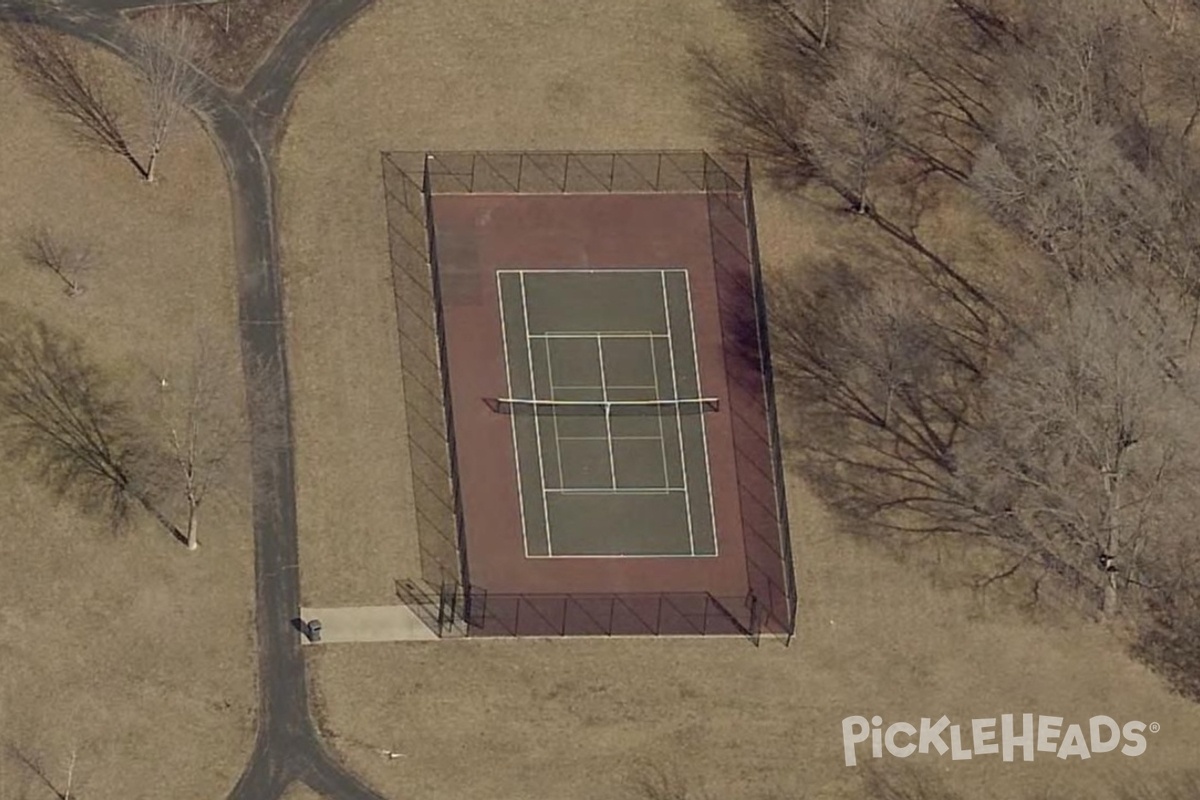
column 611, row 408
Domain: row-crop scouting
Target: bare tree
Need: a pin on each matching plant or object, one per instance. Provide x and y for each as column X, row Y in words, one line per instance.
column 63, row 791
column 1083, row 451
column 202, row 425
column 63, row 417
column 168, row 52
column 62, row 72
column 853, row 126
column 68, row 260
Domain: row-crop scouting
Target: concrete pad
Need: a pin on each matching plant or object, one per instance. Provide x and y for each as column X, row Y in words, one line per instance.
column 367, row 624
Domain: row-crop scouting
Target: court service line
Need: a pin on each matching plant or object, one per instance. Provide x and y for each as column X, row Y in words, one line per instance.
column 516, row 449
column 687, row 286
column 687, row 498
column 626, row 555
column 614, row 438
column 622, row 490
column 652, row 270
column 594, row 334
column 537, row 425
column 557, row 437
column 573, row 386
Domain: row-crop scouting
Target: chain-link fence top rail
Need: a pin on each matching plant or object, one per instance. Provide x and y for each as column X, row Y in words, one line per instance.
column 579, row 172
column 421, row 366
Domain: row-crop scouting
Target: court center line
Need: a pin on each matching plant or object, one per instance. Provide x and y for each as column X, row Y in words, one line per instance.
column 516, row 448
column 557, row 438
column 712, row 514
column 537, row 425
column 687, row 498
column 612, row 462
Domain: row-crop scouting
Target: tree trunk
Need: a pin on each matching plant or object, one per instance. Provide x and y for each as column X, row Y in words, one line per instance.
column 1112, row 544
column 193, row 523
column 151, row 162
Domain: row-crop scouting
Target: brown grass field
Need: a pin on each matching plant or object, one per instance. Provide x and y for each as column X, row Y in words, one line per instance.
column 584, row 719
column 132, row 651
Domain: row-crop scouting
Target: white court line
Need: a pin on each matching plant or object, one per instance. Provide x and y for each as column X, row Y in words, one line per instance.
column 612, row 462
column 622, row 490
column 687, row 498
column 687, row 285
column 651, row 270
column 594, row 334
column 573, row 386
column 557, row 438
column 537, row 425
column 548, row 403
column 624, row 556
column 662, row 434
column 516, row 449
column 615, row 438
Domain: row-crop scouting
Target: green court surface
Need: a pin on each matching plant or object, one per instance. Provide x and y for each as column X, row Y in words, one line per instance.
column 607, row 413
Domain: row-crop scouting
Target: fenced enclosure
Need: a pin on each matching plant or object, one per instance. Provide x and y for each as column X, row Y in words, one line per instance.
column 446, row 597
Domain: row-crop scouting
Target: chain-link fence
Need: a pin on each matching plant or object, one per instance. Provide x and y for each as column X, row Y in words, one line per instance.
column 450, row 601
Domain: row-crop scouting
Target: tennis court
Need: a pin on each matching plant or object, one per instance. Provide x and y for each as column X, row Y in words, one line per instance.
column 587, row 392
column 608, row 416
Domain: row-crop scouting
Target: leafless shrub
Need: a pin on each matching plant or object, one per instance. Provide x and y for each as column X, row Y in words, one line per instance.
column 656, row 783
column 67, row 259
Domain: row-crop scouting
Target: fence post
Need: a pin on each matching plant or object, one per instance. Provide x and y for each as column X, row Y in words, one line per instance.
column 704, row 620
column 658, row 619
column 441, row 613
column 517, row 617
column 612, row 610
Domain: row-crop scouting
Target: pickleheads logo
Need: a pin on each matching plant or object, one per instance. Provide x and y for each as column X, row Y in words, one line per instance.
column 1033, row 734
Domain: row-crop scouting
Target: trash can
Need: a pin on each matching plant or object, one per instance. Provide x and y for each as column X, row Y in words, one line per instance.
column 314, row 630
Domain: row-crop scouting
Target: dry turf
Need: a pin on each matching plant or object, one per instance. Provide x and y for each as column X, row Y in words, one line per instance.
column 132, row 652
column 581, row 720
